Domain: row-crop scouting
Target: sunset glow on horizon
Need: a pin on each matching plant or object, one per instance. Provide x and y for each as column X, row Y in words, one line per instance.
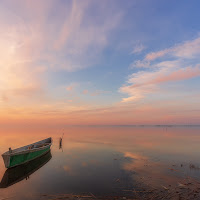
column 99, row 62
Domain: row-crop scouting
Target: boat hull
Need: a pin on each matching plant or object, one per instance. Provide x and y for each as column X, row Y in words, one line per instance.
column 23, row 158
column 25, row 155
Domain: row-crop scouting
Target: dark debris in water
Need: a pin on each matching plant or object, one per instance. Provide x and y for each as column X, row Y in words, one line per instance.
column 189, row 189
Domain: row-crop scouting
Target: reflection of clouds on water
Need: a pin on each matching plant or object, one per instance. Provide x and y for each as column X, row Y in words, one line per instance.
column 135, row 156
column 94, row 170
column 69, row 170
column 147, row 172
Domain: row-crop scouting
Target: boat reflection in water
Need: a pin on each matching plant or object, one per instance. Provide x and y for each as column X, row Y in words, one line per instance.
column 21, row 172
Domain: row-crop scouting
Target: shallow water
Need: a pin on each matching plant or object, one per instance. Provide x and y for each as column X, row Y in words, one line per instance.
column 106, row 160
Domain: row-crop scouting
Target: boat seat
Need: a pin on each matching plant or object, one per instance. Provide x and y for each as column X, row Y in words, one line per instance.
column 37, row 146
column 40, row 145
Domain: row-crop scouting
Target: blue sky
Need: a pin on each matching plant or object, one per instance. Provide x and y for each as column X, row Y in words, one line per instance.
column 119, row 60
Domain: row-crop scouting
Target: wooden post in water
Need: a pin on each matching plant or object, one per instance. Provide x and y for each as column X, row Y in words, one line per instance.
column 60, row 142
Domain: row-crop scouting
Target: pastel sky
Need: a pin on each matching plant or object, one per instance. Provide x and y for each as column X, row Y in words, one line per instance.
column 99, row 62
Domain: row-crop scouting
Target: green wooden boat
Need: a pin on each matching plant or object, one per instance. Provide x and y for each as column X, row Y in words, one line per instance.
column 27, row 153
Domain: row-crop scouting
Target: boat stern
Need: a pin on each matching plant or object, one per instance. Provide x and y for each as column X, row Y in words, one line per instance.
column 6, row 159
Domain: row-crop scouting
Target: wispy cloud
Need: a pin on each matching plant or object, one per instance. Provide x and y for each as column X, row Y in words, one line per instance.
column 148, row 81
column 72, row 23
column 80, row 44
column 143, row 83
column 85, row 92
column 138, row 48
column 71, row 86
column 187, row 50
column 139, row 64
column 33, row 45
column 154, row 55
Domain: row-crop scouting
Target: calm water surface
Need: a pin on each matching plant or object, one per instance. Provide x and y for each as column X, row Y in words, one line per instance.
column 105, row 160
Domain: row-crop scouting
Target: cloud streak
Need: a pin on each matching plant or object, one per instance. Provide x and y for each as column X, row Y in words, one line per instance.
column 33, row 43
column 138, row 48
column 82, row 39
column 156, row 73
column 187, row 50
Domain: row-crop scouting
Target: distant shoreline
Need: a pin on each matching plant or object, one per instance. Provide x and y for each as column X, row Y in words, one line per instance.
column 146, row 125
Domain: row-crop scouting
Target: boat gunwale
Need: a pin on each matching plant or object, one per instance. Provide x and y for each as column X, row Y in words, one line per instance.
column 27, row 151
